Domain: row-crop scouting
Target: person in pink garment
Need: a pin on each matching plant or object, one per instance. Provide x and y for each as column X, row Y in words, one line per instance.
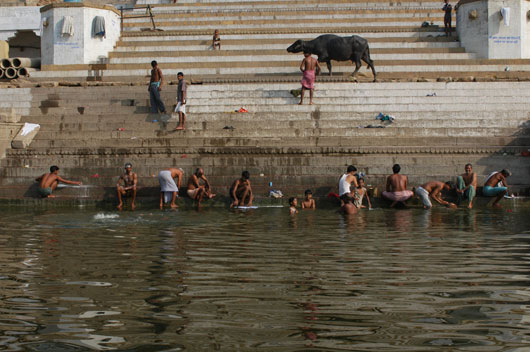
column 396, row 187
column 310, row 69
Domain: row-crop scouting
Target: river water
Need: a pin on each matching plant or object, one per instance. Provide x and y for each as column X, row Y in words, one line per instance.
column 261, row 280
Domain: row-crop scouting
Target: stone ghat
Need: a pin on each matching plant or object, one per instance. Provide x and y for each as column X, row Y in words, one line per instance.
column 91, row 132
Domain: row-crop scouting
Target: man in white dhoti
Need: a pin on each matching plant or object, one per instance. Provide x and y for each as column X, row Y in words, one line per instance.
column 168, row 188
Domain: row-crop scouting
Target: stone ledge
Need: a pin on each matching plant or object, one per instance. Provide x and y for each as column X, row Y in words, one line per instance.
column 273, row 150
column 79, row 4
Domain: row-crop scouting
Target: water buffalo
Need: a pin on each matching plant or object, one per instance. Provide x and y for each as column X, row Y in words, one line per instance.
column 332, row 47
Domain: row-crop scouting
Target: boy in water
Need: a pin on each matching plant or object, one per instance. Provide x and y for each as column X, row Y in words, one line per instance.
column 293, row 202
column 361, row 192
column 308, row 202
column 310, row 69
column 348, row 208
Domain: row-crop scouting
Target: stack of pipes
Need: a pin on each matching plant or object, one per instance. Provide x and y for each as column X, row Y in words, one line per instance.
column 18, row 67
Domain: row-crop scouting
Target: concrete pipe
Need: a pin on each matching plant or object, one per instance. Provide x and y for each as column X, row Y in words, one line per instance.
column 1, row 73
column 10, row 73
column 5, row 63
column 19, row 62
column 26, row 71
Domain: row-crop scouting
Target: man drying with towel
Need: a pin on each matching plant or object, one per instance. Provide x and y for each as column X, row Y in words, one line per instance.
column 310, row 69
column 168, row 188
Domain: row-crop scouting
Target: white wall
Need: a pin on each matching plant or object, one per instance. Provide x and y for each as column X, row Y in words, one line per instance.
column 488, row 35
column 473, row 33
column 17, row 18
column 82, row 47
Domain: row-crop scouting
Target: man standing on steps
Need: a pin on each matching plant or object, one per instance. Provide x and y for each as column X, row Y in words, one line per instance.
column 396, row 187
column 48, row 182
column 129, row 180
column 310, row 69
column 447, row 17
column 181, row 101
column 155, row 87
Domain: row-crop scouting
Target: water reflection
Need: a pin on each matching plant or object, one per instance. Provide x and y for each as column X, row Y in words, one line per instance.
column 261, row 279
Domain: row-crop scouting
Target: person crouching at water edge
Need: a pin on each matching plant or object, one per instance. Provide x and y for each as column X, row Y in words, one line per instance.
column 434, row 190
column 196, row 190
column 168, row 188
column 396, row 187
column 496, row 186
column 49, row 181
column 241, row 191
column 126, row 186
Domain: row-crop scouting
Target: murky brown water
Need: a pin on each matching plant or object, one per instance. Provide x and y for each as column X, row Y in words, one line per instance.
column 261, row 280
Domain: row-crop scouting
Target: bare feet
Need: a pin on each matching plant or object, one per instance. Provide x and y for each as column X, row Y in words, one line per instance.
column 173, row 206
column 300, row 103
column 133, row 206
column 120, row 206
column 497, row 205
column 311, row 103
column 470, row 206
column 179, row 128
column 50, row 196
column 211, row 195
column 161, row 206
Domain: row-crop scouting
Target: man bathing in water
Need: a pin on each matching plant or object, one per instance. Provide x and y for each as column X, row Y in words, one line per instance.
column 126, row 185
column 496, row 186
column 196, row 190
column 241, row 191
column 346, row 181
column 396, row 187
column 466, row 186
column 434, row 190
column 310, row 69
column 168, row 188
column 348, row 207
column 48, row 182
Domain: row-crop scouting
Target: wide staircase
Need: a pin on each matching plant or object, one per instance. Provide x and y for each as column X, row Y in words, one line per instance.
column 90, row 129
column 90, row 132
column 255, row 35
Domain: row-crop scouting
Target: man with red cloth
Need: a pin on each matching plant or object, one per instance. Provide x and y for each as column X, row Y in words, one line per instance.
column 310, row 69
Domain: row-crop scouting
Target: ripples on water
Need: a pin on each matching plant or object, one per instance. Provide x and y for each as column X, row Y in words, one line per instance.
column 405, row 280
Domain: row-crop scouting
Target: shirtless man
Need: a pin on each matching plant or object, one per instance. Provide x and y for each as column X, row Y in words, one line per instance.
column 346, row 181
column 196, row 190
column 155, row 86
column 48, row 182
column 241, row 190
column 434, row 190
column 129, row 180
column 466, row 186
column 310, row 69
column 396, row 187
column 496, row 186
column 168, row 186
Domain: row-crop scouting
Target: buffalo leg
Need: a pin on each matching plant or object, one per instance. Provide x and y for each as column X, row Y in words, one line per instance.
column 328, row 63
column 357, row 67
column 370, row 63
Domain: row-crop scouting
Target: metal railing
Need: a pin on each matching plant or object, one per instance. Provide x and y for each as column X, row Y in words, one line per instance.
column 148, row 13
